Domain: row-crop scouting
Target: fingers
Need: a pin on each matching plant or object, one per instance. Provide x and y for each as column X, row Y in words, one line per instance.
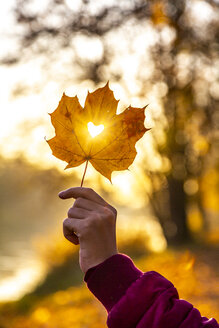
column 87, row 205
column 70, row 228
column 77, row 213
column 89, row 213
column 87, row 193
column 82, row 192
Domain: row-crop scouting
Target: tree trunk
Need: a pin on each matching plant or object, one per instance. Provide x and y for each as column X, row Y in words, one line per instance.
column 179, row 233
column 169, row 206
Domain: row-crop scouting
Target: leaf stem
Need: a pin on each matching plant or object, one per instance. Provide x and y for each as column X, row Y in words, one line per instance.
column 84, row 173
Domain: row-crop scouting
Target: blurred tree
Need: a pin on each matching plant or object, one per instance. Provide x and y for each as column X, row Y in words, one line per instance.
column 172, row 45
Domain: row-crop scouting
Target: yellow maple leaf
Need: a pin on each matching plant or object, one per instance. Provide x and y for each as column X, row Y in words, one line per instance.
column 113, row 149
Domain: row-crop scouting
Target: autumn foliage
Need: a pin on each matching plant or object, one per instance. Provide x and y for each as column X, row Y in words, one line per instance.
column 111, row 150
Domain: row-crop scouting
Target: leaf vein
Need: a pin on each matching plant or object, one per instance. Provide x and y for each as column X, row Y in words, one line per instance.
column 73, row 133
column 110, row 159
column 109, row 143
column 69, row 151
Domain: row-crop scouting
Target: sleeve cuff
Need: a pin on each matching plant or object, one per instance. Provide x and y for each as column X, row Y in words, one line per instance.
column 109, row 280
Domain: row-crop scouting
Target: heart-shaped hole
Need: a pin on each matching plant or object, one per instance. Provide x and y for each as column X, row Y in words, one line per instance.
column 94, row 130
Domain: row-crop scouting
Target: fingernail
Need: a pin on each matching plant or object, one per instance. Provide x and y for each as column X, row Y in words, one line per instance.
column 61, row 194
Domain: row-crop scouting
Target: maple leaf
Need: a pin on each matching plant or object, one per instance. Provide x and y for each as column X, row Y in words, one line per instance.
column 113, row 149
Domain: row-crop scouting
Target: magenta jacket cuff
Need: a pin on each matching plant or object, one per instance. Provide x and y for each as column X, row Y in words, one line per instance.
column 109, row 280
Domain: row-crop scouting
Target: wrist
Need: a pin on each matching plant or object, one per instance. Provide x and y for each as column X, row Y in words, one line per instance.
column 104, row 256
column 89, row 260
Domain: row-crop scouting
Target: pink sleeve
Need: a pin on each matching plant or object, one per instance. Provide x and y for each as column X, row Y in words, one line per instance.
column 136, row 299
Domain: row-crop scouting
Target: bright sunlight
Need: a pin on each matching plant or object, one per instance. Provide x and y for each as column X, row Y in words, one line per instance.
column 94, row 130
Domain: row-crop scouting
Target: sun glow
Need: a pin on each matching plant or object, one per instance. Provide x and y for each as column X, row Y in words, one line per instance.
column 94, row 130
column 23, row 280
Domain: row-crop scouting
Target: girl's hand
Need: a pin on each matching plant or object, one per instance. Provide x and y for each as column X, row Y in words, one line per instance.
column 91, row 223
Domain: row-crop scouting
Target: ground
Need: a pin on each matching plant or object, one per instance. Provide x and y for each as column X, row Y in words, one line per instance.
column 194, row 273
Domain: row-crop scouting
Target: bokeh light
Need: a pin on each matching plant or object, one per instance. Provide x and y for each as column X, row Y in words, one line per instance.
column 163, row 54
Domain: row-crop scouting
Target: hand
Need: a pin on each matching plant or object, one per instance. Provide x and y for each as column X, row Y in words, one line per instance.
column 91, row 223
